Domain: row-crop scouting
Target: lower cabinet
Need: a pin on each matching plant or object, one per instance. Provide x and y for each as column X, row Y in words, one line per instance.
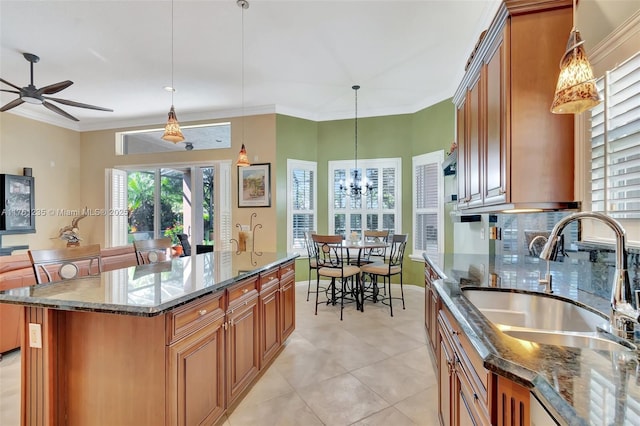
column 243, row 328
column 288, row 299
column 196, row 362
column 197, row 366
column 468, row 394
column 463, row 381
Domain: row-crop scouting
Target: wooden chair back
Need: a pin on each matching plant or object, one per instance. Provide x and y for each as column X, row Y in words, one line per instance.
column 376, row 237
column 53, row 265
column 329, row 250
column 151, row 251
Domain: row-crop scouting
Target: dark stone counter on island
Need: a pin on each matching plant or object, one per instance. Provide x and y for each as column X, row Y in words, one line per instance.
column 148, row 290
column 577, row 386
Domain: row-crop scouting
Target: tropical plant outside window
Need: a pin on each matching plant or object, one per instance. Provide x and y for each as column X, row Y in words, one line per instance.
column 160, row 200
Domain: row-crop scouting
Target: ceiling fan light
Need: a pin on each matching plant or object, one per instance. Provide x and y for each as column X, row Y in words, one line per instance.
column 576, row 89
column 32, row 100
column 172, row 131
column 243, row 160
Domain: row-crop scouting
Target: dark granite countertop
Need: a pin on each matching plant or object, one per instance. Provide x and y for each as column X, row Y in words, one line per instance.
column 148, row 290
column 577, row 386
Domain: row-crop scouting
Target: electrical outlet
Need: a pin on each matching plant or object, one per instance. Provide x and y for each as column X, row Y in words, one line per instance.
column 35, row 335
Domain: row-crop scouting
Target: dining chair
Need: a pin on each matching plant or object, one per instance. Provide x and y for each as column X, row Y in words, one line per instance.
column 332, row 262
column 392, row 266
column 151, row 251
column 375, row 254
column 311, row 253
column 52, row 265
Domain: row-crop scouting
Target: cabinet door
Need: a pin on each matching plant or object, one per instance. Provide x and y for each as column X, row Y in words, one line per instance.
column 446, row 372
column 18, row 195
column 270, row 326
column 243, row 358
column 496, row 155
column 288, row 306
column 196, row 377
column 462, row 140
column 513, row 403
column 433, row 311
column 475, row 145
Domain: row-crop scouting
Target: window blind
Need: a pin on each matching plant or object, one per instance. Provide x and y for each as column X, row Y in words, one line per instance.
column 615, row 143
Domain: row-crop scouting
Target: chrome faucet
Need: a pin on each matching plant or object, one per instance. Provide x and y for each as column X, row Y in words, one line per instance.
column 623, row 315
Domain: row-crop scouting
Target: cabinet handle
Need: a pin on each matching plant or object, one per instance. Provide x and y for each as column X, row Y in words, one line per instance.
column 224, row 324
column 245, row 303
column 202, row 312
column 245, row 290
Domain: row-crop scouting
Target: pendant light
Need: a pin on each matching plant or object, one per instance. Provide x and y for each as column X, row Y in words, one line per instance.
column 172, row 131
column 576, row 89
column 359, row 186
column 243, row 159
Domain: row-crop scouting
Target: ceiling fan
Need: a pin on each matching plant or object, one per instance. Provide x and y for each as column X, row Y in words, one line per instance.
column 32, row 95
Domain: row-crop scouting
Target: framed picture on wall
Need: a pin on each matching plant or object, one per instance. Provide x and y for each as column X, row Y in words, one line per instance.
column 254, row 185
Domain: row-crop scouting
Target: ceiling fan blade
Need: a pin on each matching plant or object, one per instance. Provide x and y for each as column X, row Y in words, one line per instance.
column 12, row 104
column 10, row 84
column 54, row 108
column 9, row 91
column 55, row 88
column 78, row 104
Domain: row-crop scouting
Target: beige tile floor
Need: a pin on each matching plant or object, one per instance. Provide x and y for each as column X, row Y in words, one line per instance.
column 369, row 369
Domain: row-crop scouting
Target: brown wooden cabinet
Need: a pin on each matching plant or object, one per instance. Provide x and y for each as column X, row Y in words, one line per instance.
column 195, row 380
column 514, row 152
column 270, row 316
column 431, row 302
column 513, row 403
column 463, row 381
column 242, row 337
column 288, row 299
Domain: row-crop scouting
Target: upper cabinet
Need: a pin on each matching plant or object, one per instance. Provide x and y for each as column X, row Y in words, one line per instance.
column 513, row 152
column 17, row 213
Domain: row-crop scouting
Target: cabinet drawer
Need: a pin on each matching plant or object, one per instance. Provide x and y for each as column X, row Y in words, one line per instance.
column 244, row 289
column 269, row 278
column 189, row 318
column 287, row 270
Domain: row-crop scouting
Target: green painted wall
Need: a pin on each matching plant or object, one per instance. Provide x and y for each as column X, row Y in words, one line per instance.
column 403, row 136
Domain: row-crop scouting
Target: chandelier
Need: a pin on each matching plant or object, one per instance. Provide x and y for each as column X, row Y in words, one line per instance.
column 359, row 186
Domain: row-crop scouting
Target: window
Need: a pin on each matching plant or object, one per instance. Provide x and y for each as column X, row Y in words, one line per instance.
column 608, row 138
column 380, row 210
column 615, row 143
column 202, row 136
column 428, row 207
column 301, row 203
column 167, row 201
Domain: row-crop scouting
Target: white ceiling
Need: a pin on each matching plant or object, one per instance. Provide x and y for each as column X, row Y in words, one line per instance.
column 301, row 57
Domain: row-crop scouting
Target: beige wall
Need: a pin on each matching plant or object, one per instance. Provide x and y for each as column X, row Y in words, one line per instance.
column 69, row 170
column 54, row 154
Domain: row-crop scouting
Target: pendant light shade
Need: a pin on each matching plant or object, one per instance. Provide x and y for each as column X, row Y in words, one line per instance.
column 243, row 160
column 576, row 89
column 172, row 131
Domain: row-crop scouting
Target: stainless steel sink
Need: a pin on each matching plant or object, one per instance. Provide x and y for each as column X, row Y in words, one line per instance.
column 534, row 310
column 541, row 318
column 575, row 340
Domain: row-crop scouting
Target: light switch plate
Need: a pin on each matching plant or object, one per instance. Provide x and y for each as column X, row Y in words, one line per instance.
column 35, row 335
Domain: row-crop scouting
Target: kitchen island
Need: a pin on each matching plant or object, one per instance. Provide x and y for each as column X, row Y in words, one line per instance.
column 575, row 386
column 171, row 343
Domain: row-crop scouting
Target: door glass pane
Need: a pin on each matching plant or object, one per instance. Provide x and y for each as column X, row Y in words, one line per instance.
column 175, row 203
column 207, row 206
column 140, row 203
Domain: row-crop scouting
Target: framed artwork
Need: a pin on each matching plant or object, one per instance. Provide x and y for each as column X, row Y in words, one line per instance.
column 254, row 185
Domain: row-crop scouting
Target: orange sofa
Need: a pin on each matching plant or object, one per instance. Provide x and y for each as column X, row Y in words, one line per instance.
column 16, row 271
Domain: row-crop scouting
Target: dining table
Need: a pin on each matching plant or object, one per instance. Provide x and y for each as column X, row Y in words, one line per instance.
column 362, row 247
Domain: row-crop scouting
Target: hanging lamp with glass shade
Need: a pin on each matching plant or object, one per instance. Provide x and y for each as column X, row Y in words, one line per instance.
column 576, row 89
column 172, row 132
column 243, row 159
